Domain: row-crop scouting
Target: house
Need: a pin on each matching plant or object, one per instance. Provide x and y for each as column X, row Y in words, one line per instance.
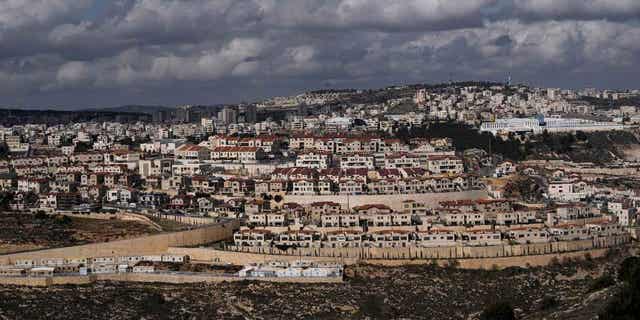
column 205, row 184
column 504, row 168
column 624, row 210
column 351, row 186
column 313, row 159
column 516, row 217
column 317, row 209
column 252, row 238
column 87, row 158
column 344, row 239
column 604, row 228
column 190, row 152
column 239, row 154
column 357, row 161
column 528, row 235
column 324, row 187
column 434, row 238
column 255, row 206
column 413, row 207
column 301, row 142
column 372, row 209
column 376, row 215
column 444, row 164
column 568, row 190
column 268, row 219
column 481, row 238
column 567, row 232
column 303, row 187
column 299, row 239
column 153, row 199
column 121, row 195
column 390, row 239
column 204, row 205
column 402, row 160
column 453, row 218
column 567, row 213
column 35, row 185
column 182, row 202
column 344, row 220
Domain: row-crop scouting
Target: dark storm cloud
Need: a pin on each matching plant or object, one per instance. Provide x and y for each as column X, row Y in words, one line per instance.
column 80, row 52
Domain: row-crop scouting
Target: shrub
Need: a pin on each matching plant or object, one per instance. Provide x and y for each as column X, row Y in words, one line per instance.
column 602, row 282
column 548, row 302
column 452, row 264
column 64, row 220
column 40, row 215
column 629, row 269
column 373, row 307
column 498, row 311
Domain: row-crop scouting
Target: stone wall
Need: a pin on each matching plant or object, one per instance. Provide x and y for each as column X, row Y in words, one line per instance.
column 484, row 257
column 155, row 244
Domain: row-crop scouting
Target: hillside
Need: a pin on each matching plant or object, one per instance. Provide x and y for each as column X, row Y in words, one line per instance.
column 574, row 290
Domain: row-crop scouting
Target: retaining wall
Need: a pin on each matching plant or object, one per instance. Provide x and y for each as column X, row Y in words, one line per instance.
column 484, row 257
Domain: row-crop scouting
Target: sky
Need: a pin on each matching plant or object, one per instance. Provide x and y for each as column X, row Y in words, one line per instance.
column 100, row 53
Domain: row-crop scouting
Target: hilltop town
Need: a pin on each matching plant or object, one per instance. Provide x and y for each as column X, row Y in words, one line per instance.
column 307, row 188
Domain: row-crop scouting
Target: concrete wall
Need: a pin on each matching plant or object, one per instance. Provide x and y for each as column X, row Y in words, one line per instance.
column 505, row 255
column 392, row 200
column 454, row 252
column 155, row 244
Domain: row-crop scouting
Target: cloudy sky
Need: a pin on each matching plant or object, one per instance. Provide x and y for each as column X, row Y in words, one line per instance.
column 90, row 53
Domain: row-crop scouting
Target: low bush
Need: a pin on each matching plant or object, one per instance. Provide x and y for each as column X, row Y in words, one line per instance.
column 498, row 311
column 602, row 282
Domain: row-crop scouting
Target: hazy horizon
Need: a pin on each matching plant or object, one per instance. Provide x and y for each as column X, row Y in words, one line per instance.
column 90, row 53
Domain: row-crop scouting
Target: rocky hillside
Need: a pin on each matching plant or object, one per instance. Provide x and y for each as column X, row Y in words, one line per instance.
column 571, row 290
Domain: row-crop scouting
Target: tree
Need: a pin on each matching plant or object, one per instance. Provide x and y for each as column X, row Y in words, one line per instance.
column 63, row 220
column 4, row 150
column 625, row 305
column 5, row 200
column 498, row 311
column 82, row 146
column 127, row 141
